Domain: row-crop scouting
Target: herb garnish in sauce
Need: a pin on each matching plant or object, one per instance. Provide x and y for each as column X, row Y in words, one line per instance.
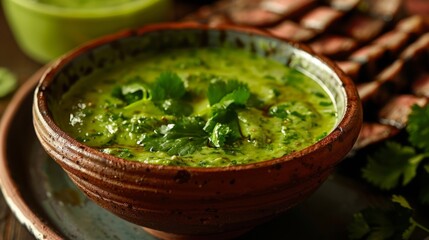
column 198, row 107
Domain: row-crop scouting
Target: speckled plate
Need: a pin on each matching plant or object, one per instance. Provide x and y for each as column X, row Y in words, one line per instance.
column 44, row 199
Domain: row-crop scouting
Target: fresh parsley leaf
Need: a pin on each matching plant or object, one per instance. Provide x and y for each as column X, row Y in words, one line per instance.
column 217, row 116
column 402, row 216
column 168, row 85
column 220, row 134
column 407, row 233
column 223, row 111
column 176, row 107
column 133, row 91
column 371, row 223
column 181, row 137
column 167, row 93
column 417, row 127
column 389, row 164
column 8, row 82
column 216, row 128
column 140, row 125
column 359, row 227
column 225, row 97
column 424, row 186
column 235, row 90
column 401, row 201
column 237, row 97
column 393, row 221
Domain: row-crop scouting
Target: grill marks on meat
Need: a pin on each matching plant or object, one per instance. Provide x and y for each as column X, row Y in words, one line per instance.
column 292, row 31
column 363, row 27
column 393, row 42
column 395, row 112
column 372, row 133
column 384, row 9
column 254, row 16
column 388, row 98
column 287, row 8
column 420, row 87
column 311, row 21
column 343, row 5
column 320, row 18
column 334, row 46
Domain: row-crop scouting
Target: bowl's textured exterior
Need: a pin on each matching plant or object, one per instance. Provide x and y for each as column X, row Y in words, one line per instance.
column 182, row 201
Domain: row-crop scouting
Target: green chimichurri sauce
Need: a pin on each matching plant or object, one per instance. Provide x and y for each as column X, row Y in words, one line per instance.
column 84, row 4
column 197, row 107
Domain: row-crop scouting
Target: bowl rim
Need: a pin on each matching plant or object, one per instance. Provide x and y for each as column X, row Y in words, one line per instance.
column 352, row 111
column 121, row 9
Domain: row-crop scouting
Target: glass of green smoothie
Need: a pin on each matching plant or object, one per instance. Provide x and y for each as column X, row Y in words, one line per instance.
column 45, row 29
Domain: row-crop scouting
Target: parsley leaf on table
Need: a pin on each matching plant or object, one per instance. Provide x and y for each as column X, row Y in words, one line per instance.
column 424, row 186
column 393, row 161
column 385, row 169
column 403, row 216
column 390, row 164
column 359, row 227
column 371, row 223
column 8, row 82
column 418, row 127
column 392, row 222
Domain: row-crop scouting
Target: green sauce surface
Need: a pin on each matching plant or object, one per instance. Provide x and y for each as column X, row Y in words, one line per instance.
column 84, row 4
column 204, row 107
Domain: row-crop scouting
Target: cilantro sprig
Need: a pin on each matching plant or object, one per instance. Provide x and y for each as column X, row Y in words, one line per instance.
column 395, row 221
column 424, row 186
column 168, row 85
column 225, row 98
column 134, row 90
column 396, row 166
column 392, row 165
column 167, row 92
column 182, row 135
column 418, row 128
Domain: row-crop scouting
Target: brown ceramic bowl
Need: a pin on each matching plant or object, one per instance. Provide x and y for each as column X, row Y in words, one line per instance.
column 171, row 201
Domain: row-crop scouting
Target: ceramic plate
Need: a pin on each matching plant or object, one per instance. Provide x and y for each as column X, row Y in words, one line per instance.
column 44, row 199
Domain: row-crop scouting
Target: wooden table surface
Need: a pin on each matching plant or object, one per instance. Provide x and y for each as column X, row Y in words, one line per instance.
column 15, row 60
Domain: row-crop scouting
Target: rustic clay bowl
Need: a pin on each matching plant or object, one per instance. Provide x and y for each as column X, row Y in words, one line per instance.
column 177, row 202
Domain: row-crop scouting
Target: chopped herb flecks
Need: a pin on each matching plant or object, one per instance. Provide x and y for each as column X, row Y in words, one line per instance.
column 197, row 107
